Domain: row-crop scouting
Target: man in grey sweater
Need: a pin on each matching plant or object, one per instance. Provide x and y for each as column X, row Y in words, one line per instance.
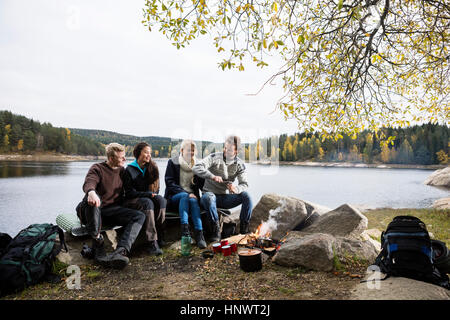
column 220, row 170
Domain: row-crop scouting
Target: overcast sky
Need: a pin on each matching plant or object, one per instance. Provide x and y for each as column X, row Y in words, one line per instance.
column 93, row 65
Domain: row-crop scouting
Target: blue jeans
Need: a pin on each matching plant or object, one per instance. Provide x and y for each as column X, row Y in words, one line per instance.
column 211, row 201
column 188, row 206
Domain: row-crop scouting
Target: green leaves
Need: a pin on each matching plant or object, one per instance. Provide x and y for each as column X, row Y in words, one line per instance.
column 338, row 72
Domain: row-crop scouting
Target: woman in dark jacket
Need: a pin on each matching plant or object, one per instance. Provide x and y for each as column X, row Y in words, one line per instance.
column 183, row 190
column 141, row 186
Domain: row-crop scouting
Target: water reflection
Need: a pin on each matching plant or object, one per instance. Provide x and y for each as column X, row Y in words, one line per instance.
column 14, row 169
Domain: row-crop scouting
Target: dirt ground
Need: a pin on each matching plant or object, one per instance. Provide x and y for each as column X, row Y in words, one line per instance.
column 173, row 277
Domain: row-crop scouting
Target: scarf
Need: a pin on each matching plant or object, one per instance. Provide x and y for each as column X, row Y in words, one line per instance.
column 186, row 174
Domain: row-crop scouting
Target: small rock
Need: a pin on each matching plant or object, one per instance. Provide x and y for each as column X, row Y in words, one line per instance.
column 442, row 204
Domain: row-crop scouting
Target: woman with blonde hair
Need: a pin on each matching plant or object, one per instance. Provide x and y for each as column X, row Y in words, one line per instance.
column 183, row 190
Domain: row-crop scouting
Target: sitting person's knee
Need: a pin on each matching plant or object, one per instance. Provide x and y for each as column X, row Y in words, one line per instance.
column 193, row 201
column 245, row 195
column 146, row 204
column 209, row 196
column 140, row 216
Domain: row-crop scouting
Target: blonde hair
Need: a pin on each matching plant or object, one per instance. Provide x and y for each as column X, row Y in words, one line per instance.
column 112, row 148
column 188, row 144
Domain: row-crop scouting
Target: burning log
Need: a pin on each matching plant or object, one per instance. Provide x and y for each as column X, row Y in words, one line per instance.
column 258, row 239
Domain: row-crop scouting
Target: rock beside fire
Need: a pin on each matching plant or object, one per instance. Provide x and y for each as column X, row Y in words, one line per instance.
column 281, row 214
column 345, row 221
column 319, row 251
column 337, row 234
column 313, row 251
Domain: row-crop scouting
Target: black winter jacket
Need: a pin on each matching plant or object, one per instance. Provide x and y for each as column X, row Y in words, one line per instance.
column 172, row 179
column 135, row 184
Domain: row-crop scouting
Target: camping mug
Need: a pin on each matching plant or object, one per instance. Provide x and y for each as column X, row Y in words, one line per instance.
column 226, row 250
column 216, row 247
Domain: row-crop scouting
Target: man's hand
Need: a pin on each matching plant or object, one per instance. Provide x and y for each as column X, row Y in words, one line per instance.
column 232, row 188
column 191, row 195
column 217, row 179
column 93, row 199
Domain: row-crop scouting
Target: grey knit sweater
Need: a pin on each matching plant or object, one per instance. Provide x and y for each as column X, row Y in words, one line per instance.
column 214, row 165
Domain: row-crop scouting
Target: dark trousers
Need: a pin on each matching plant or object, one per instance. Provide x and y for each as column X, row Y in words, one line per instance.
column 155, row 214
column 131, row 219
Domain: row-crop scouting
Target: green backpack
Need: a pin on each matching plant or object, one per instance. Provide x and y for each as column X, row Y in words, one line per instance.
column 28, row 258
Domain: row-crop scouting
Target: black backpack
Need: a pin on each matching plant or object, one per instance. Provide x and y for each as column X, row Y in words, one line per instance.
column 407, row 251
column 29, row 257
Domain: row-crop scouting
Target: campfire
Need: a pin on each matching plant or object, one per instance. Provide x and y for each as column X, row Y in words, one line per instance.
column 261, row 239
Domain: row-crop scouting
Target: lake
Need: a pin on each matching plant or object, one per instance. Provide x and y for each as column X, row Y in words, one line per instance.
column 36, row 192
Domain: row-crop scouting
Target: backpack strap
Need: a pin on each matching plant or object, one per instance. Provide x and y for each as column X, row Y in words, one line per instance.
column 62, row 240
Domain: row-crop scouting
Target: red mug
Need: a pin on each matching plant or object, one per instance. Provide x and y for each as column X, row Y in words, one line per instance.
column 233, row 247
column 226, row 250
column 224, row 242
column 216, row 247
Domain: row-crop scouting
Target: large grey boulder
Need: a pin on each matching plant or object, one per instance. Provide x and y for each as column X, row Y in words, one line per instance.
column 397, row 288
column 312, row 251
column 281, row 214
column 345, row 221
column 318, row 251
column 439, row 178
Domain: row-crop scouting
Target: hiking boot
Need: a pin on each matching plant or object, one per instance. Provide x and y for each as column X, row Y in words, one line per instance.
column 118, row 258
column 98, row 247
column 244, row 228
column 161, row 239
column 215, row 236
column 185, row 230
column 199, row 239
column 154, row 249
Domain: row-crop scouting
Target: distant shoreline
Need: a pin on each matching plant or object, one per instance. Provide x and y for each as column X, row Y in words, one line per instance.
column 48, row 157
column 355, row 165
column 57, row 157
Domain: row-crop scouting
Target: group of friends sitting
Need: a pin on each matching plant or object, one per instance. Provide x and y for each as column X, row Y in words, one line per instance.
column 129, row 196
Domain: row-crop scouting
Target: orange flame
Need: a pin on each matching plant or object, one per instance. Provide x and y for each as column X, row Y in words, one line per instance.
column 257, row 234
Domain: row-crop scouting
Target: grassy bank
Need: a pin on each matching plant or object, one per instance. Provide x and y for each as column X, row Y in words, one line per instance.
column 437, row 221
column 172, row 276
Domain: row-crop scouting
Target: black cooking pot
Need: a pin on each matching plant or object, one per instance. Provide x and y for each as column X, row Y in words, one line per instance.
column 250, row 260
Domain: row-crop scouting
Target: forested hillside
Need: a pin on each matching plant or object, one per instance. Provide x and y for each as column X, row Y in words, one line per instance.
column 161, row 146
column 426, row 144
column 20, row 134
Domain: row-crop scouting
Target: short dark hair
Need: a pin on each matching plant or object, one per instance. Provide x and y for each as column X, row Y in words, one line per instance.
column 138, row 148
column 234, row 140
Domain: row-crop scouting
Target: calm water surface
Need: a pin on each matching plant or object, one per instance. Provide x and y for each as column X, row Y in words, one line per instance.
column 36, row 192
